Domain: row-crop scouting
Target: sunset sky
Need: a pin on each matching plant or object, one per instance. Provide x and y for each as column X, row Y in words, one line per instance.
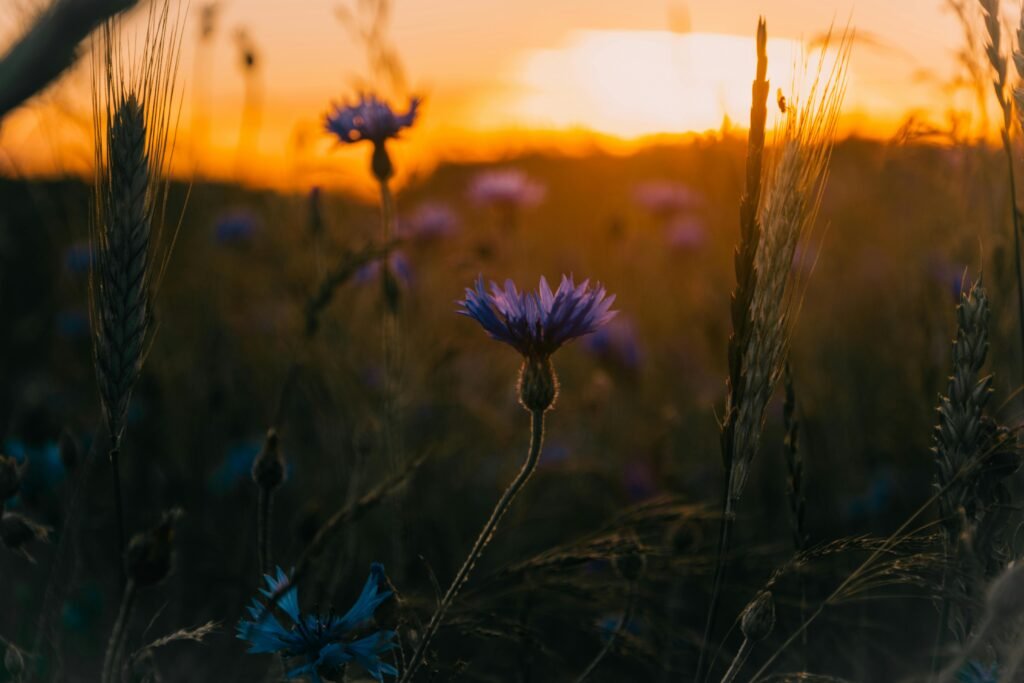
column 500, row 75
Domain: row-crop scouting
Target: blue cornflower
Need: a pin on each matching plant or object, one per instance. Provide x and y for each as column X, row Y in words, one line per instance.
column 318, row 639
column 78, row 258
column 536, row 324
column 236, row 227
column 371, row 118
column 976, row 672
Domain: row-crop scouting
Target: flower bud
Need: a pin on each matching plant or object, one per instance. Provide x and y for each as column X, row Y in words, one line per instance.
column 10, row 477
column 758, row 618
column 150, row 554
column 268, row 470
column 538, row 384
column 17, row 531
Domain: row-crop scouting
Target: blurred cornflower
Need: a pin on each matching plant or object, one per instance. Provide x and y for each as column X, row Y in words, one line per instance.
column 373, row 119
column 429, row 221
column 664, row 198
column 617, row 344
column 398, row 265
column 237, row 226
column 236, row 466
column 947, row 275
column 505, row 188
column 72, row 323
column 41, row 465
column 319, row 639
column 976, row 672
column 536, row 324
column 638, row 480
column 876, row 498
column 686, row 233
column 78, row 258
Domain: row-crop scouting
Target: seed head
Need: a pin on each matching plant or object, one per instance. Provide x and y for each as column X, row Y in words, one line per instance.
column 758, row 618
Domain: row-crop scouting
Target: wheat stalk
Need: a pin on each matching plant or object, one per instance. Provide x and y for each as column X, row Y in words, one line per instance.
column 134, row 111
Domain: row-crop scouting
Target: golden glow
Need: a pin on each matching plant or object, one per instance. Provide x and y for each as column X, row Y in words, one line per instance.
column 634, row 83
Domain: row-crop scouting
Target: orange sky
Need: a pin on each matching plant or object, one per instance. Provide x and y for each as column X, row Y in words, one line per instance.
column 499, row 75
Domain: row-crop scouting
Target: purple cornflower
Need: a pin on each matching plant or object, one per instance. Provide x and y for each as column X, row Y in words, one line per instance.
column 78, row 258
column 686, row 233
column 617, row 344
column 536, row 324
column 664, row 198
column 371, row 118
column 430, row 221
column 506, row 187
column 398, row 265
column 237, row 226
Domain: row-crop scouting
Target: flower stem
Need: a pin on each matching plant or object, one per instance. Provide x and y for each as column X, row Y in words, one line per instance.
column 263, row 529
column 532, row 457
column 111, row 660
column 738, row 661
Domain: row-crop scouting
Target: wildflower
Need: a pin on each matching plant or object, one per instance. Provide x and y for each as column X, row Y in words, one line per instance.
column 319, row 639
column 616, row 344
column 664, row 198
column 371, row 119
column 236, row 227
column 686, row 233
column 430, row 221
column 536, row 324
column 236, row 466
column 398, row 266
column 976, row 672
column 506, row 188
column 78, row 258
column 72, row 323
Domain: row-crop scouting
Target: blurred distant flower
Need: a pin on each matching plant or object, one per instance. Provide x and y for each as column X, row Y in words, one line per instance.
column 947, row 275
column 398, row 264
column 976, row 672
column 78, row 258
column 41, row 465
column 611, row 625
column 236, row 466
column 430, row 221
column 238, row 226
column 664, row 198
column 505, row 188
column 555, row 453
column 81, row 612
column 72, row 323
column 537, row 323
column 686, row 233
column 876, row 498
column 616, row 343
column 318, row 639
column 371, row 119
column 638, row 478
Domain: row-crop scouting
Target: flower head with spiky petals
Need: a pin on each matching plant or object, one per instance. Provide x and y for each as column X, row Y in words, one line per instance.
column 371, row 118
column 318, row 640
column 537, row 323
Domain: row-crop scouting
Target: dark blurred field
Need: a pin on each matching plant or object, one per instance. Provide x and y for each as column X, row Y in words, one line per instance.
column 632, row 456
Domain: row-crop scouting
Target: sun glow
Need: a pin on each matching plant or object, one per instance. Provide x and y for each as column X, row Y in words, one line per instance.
column 634, row 83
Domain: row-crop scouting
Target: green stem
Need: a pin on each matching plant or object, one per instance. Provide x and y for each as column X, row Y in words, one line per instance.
column 738, row 661
column 111, row 660
column 486, row 534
